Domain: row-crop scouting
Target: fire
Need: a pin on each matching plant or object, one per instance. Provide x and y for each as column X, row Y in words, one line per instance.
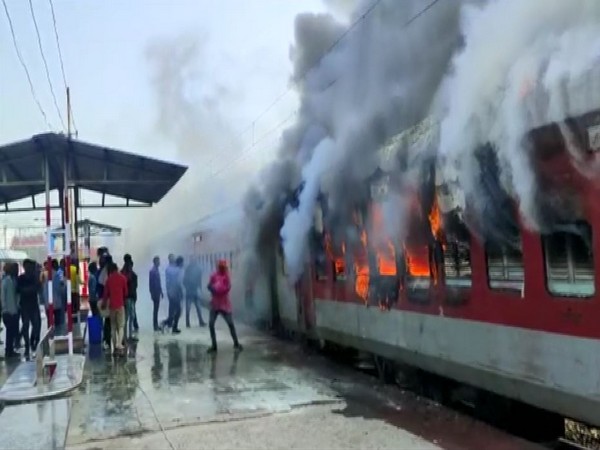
column 339, row 262
column 435, row 220
column 361, row 269
column 417, row 261
column 384, row 249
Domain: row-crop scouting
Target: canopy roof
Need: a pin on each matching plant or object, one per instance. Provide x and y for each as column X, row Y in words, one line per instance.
column 92, row 167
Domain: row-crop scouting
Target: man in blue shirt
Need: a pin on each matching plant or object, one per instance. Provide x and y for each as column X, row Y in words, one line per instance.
column 156, row 292
column 174, row 285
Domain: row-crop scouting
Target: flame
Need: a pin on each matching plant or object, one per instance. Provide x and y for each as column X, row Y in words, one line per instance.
column 361, row 269
column 339, row 262
column 385, row 251
column 435, row 219
column 417, row 261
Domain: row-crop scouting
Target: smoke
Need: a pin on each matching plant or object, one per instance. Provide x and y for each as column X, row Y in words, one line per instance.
column 523, row 65
column 484, row 73
column 191, row 119
column 299, row 221
column 381, row 78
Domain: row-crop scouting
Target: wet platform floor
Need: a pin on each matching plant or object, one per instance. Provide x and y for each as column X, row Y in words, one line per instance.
column 297, row 398
column 169, row 393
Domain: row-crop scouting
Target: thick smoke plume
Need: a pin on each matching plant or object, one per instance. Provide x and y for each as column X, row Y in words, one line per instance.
column 484, row 72
column 379, row 80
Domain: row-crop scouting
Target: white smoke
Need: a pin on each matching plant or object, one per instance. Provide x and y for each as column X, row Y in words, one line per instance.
column 487, row 71
column 524, row 64
column 299, row 221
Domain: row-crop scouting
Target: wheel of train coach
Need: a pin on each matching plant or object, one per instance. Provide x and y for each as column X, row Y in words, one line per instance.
column 386, row 369
column 519, row 418
column 436, row 388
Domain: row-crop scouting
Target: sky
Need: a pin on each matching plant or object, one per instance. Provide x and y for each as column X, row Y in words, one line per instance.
column 114, row 55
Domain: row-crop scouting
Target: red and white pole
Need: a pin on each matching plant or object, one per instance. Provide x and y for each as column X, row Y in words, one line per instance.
column 50, row 310
column 68, row 259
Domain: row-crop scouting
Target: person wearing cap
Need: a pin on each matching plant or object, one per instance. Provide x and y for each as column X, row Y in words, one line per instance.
column 132, row 282
column 219, row 286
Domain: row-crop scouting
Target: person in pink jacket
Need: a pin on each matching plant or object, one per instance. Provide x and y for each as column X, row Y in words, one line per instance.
column 219, row 286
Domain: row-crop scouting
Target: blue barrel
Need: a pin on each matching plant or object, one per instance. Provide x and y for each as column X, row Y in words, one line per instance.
column 94, row 330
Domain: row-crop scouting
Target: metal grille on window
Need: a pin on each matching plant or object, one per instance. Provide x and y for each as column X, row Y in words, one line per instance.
column 457, row 264
column 570, row 262
column 505, row 266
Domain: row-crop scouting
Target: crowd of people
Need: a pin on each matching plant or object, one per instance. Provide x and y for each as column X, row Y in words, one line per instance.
column 21, row 296
column 113, row 295
column 112, row 298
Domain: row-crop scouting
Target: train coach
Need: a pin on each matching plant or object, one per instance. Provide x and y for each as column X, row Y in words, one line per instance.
column 517, row 317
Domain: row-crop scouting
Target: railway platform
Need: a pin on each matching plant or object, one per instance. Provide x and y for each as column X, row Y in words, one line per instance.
column 169, row 393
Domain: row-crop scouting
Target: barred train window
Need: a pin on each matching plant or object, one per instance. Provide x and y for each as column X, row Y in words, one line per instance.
column 457, row 264
column 570, row 262
column 505, row 266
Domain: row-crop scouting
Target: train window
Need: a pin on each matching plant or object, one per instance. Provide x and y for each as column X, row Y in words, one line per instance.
column 418, row 271
column 457, row 263
column 570, row 262
column 320, row 256
column 505, row 266
column 338, row 260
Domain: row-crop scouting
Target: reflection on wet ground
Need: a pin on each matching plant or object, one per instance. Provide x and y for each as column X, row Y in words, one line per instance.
column 169, row 381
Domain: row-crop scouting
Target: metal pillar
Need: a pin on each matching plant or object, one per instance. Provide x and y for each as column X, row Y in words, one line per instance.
column 67, row 228
column 50, row 311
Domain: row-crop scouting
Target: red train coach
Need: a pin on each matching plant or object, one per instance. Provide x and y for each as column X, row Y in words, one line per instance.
column 521, row 321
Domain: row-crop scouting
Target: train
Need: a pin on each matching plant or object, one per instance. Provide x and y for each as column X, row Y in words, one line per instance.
column 518, row 322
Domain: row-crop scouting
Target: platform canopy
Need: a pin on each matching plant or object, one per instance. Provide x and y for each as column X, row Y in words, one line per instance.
column 97, row 228
column 96, row 168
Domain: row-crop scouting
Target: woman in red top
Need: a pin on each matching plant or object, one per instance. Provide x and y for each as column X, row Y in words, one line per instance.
column 219, row 286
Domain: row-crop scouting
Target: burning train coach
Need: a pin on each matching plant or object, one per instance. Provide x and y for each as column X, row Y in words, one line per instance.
column 480, row 301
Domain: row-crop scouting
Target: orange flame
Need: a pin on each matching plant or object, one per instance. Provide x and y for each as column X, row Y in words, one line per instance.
column 417, row 261
column 339, row 262
column 361, row 269
column 435, row 220
column 385, row 251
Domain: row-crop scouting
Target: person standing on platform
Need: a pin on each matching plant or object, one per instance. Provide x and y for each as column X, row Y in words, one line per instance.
column 220, row 304
column 192, row 281
column 93, row 288
column 10, row 308
column 115, row 293
column 174, row 285
column 59, row 299
column 156, row 292
column 28, row 288
column 75, row 283
column 132, row 283
column 104, row 260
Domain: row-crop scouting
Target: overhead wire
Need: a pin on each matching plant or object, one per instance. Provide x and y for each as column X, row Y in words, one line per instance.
column 39, row 39
column 62, row 65
column 277, row 99
column 20, row 57
column 348, row 30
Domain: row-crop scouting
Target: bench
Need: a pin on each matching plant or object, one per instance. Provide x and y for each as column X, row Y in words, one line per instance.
column 47, row 377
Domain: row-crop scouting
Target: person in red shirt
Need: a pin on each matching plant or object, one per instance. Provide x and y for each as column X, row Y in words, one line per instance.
column 115, row 293
column 219, row 286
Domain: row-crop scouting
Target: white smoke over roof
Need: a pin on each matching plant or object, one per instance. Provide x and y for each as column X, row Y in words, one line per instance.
column 455, row 85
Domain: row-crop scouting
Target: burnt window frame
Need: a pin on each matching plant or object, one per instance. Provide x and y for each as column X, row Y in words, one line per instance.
column 505, row 283
column 569, row 237
column 456, row 282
